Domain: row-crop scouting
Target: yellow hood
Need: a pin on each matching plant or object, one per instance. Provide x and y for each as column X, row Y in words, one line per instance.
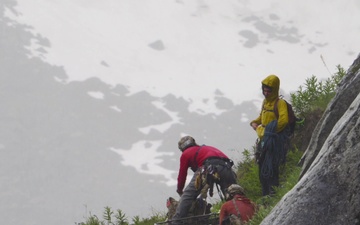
column 273, row 82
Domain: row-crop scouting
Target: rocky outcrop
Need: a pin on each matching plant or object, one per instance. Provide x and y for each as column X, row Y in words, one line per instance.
column 328, row 191
column 347, row 92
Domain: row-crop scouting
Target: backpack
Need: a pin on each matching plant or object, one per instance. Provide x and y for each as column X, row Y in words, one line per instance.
column 291, row 115
column 234, row 220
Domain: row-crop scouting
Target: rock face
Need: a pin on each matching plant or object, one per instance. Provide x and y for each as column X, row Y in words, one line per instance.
column 328, row 191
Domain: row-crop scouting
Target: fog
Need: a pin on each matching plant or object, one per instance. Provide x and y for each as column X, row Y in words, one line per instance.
column 95, row 95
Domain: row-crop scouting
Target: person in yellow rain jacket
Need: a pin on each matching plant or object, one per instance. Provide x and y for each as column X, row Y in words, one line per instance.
column 271, row 128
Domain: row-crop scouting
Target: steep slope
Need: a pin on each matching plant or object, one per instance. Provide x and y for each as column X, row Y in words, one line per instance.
column 328, row 191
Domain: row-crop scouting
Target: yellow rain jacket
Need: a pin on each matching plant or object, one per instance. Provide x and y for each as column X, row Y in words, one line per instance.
column 267, row 113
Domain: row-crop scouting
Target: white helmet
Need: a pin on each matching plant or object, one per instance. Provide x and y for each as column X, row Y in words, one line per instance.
column 235, row 189
column 186, row 142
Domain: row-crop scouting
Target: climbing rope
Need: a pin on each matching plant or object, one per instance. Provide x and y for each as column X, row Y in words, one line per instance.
column 273, row 148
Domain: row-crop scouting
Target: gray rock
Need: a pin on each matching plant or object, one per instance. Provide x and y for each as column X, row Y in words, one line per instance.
column 347, row 92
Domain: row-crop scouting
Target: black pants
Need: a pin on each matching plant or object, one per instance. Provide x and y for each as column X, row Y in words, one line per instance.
column 270, row 180
column 224, row 169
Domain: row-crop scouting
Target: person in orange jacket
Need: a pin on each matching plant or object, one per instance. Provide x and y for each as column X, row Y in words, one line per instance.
column 271, row 129
column 237, row 204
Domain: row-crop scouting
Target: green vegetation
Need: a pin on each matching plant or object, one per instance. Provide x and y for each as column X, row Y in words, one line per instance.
column 249, row 180
column 119, row 218
column 316, row 94
column 309, row 102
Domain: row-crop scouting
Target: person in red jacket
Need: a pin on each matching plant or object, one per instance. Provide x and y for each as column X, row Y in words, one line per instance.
column 237, row 204
column 198, row 157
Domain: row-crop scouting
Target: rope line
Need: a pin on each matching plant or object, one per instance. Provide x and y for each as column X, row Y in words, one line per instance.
column 273, row 148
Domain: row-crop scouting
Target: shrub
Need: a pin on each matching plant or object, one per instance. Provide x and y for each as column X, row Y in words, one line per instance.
column 316, row 94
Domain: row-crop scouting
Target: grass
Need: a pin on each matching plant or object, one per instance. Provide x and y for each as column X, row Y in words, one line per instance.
column 288, row 178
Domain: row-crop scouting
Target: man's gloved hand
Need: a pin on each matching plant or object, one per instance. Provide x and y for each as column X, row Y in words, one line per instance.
column 179, row 192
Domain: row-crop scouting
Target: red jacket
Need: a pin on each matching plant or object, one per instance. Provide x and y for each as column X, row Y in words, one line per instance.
column 245, row 206
column 187, row 161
